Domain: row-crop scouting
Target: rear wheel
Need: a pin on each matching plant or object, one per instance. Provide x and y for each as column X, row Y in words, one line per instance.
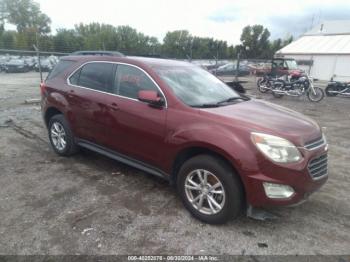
column 261, row 83
column 210, row 189
column 61, row 136
column 316, row 96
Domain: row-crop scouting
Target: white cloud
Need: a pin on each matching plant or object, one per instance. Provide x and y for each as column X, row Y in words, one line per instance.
column 222, row 19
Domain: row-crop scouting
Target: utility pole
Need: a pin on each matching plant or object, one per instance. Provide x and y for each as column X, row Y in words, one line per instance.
column 191, row 46
column 237, row 65
column 36, row 48
column 238, row 60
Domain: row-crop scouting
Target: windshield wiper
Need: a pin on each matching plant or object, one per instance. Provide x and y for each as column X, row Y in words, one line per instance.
column 206, row 105
column 220, row 103
column 230, row 99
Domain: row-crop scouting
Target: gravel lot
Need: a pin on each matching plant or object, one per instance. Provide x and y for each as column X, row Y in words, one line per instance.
column 89, row 204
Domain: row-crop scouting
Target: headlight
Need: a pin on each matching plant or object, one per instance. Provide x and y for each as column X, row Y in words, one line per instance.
column 276, row 148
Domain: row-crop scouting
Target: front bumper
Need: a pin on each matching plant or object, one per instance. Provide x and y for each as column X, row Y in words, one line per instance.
column 297, row 176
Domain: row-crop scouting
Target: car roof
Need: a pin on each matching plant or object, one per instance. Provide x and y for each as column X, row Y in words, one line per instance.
column 136, row 60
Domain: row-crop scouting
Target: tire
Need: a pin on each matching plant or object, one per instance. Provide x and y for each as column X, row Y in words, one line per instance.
column 260, row 83
column 230, row 199
column 330, row 88
column 315, row 98
column 59, row 125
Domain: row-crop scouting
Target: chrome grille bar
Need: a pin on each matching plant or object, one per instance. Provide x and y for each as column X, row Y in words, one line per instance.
column 318, row 167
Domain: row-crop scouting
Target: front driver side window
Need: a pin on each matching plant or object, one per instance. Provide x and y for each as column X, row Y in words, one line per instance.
column 130, row 80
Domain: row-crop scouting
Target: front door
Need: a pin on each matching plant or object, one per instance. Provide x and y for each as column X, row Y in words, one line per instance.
column 141, row 128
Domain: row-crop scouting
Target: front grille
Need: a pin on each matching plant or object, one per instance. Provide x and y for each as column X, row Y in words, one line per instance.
column 318, row 167
column 315, row 143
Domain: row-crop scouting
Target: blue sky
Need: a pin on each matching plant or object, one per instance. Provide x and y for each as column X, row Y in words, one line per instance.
column 222, row 19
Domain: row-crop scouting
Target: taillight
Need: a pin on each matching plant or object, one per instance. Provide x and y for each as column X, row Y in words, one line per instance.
column 43, row 88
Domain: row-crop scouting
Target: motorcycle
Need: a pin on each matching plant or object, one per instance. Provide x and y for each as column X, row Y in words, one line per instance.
column 303, row 86
column 266, row 82
column 338, row 88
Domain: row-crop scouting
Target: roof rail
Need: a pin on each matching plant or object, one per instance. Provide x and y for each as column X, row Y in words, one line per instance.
column 98, row 53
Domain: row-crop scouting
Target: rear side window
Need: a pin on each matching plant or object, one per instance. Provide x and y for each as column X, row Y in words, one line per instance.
column 74, row 79
column 59, row 68
column 97, row 76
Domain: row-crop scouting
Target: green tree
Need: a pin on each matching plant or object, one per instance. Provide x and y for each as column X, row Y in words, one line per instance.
column 177, row 44
column 287, row 40
column 67, row 40
column 3, row 15
column 255, row 41
column 7, row 39
column 25, row 14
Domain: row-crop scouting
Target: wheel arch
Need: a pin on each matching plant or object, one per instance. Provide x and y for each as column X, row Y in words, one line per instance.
column 192, row 151
column 49, row 113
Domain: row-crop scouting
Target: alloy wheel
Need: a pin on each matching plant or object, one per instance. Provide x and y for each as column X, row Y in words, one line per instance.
column 205, row 192
column 58, row 136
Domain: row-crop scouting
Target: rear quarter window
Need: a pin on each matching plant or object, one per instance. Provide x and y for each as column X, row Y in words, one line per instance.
column 60, row 68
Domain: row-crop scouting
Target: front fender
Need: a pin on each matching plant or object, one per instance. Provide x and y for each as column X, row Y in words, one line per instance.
column 233, row 145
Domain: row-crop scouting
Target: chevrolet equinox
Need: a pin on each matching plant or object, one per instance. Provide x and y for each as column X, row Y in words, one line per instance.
column 223, row 151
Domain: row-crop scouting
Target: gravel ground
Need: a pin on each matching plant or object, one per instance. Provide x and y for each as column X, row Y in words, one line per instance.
column 89, row 204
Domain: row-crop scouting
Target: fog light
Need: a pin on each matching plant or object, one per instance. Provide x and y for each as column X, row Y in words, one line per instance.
column 277, row 190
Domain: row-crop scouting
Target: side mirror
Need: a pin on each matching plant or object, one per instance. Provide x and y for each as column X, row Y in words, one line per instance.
column 151, row 97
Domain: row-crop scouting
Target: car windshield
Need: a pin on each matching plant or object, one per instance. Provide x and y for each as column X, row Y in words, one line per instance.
column 196, row 87
column 291, row 64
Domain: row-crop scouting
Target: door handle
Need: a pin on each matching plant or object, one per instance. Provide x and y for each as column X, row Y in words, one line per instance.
column 114, row 106
column 71, row 93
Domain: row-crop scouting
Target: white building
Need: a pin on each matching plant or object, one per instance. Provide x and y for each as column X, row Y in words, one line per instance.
column 324, row 51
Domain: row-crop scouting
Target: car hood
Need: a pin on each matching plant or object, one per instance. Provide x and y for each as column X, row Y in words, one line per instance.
column 261, row 116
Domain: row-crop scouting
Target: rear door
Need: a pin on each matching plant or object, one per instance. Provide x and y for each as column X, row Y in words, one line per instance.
column 92, row 101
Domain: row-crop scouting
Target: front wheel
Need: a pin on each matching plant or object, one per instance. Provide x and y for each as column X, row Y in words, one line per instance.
column 209, row 189
column 316, row 96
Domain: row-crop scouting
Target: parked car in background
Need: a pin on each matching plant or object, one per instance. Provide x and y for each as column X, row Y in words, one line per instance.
column 3, row 61
column 225, row 152
column 46, row 65
column 260, row 69
column 16, row 66
column 209, row 65
column 230, row 69
column 30, row 62
column 284, row 66
column 53, row 59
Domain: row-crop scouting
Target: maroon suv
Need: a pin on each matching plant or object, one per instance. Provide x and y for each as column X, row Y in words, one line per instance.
column 223, row 151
